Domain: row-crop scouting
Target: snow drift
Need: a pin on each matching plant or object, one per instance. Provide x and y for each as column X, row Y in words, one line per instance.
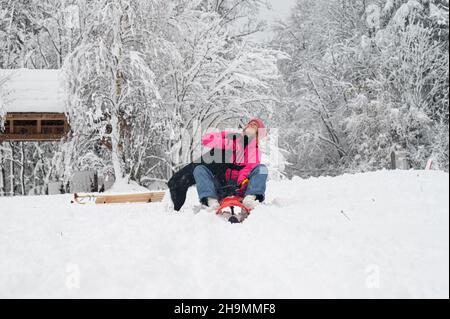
column 375, row 235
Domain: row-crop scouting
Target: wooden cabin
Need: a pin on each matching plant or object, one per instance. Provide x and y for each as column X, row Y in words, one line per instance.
column 33, row 102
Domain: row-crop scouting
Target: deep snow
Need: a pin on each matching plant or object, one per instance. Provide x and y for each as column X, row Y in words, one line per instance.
column 31, row 90
column 381, row 234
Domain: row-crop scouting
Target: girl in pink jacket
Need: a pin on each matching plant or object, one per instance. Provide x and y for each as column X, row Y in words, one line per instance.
column 243, row 149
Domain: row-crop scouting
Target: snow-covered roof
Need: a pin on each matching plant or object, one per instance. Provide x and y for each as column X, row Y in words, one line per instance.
column 32, row 91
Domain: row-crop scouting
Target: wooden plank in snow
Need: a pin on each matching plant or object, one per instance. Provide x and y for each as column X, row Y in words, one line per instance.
column 119, row 198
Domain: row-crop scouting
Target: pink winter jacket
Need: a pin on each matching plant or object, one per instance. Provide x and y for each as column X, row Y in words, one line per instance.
column 249, row 157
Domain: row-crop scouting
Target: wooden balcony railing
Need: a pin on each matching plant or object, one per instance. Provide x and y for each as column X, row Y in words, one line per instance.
column 34, row 127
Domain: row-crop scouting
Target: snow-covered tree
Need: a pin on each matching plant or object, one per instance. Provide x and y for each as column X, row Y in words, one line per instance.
column 366, row 78
column 408, row 93
column 107, row 72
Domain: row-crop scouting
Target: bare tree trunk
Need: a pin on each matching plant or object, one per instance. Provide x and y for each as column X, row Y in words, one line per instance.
column 34, row 182
column 40, row 166
column 22, row 169
column 12, row 178
column 115, row 145
column 9, row 32
column 2, row 173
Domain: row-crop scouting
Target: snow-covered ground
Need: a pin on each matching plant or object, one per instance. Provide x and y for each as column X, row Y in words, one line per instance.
column 381, row 234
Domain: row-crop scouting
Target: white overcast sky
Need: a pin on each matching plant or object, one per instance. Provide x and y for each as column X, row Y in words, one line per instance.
column 280, row 10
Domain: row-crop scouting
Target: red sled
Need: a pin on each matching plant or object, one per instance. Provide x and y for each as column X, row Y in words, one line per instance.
column 232, row 202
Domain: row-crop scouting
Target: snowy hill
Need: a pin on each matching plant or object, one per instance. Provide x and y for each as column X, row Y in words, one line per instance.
column 381, row 234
